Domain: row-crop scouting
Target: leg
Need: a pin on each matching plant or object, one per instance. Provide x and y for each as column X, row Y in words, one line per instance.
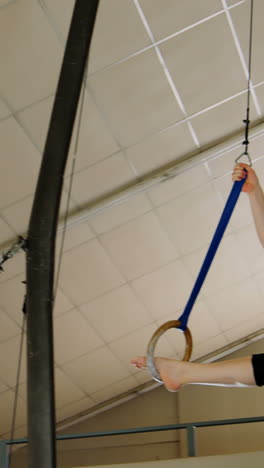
column 175, row 374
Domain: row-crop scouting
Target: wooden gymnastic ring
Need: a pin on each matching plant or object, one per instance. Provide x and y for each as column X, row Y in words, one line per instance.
column 154, row 339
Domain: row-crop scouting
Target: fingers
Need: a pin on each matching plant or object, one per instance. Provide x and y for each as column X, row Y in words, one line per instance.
column 240, row 171
column 244, row 165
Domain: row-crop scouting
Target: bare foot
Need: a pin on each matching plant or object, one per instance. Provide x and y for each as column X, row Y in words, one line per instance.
column 172, row 372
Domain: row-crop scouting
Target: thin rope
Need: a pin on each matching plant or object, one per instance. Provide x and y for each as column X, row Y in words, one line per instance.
column 13, row 423
column 247, row 121
column 66, row 216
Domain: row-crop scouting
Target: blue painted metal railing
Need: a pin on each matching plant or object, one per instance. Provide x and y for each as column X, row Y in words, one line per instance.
column 190, row 428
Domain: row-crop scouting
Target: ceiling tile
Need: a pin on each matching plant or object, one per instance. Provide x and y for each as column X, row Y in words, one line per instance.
column 116, row 313
column 260, row 95
column 6, row 233
column 135, row 344
column 253, row 255
column 96, row 370
column 258, row 152
column 106, row 47
column 8, row 327
column 228, row 266
column 182, row 183
column 66, row 391
column 8, row 366
column 241, row 18
column 245, row 328
column 202, row 324
column 168, row 17
column 75, row 235
column 72, row 328
column 221, row 122
column 18, row 214
column 119, row 214
column 3, row 387
column 7, row 405
column 22, row 390
column 87, row 272
column 236, row 303
column 95, row 141
column 114, row 390
column 101, row 178
column 160, row 149
column 35, row 119
column 166, row 290
column 4, row 111
column 139, row 246
column 73, row 409
column 59, row 17
column 62, row 303
column 196, row 212
column 232, row 2
column 209, row 346
column 150, row 106
column 197, row 64
column 259, row 278
column 25, row 25
column 19, row 157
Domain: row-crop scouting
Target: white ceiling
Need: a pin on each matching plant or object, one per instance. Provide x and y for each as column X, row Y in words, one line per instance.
column 167, row 80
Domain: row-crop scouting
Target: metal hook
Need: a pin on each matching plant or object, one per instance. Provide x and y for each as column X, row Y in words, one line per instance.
column 244, row 154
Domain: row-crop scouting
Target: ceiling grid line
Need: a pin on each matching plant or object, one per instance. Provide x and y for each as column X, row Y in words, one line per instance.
column 104, row 119
column 241, row 56
column 196, row 114
column 165, row 39
column 52, row 23
column 166, row 71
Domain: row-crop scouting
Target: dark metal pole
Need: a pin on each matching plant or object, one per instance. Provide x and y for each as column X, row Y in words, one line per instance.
column 41, row 239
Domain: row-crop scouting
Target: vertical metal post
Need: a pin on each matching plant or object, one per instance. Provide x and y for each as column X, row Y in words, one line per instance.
column 41, row 239
column 191, row 440
column 3, row 455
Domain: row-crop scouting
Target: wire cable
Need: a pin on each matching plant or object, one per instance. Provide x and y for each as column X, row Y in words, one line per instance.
column 66, row 216
column 247, row 121
column 18, row 373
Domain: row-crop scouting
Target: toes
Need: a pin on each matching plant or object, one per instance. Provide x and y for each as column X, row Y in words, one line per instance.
column 139, row 362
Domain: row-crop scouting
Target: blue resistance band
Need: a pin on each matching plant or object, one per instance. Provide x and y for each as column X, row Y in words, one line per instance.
column 181, row 323
column 224, row 220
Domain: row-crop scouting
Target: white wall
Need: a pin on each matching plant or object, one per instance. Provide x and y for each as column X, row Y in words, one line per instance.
column 244, row 460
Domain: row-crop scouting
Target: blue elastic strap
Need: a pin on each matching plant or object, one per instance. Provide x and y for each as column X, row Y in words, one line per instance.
column 226, row 215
